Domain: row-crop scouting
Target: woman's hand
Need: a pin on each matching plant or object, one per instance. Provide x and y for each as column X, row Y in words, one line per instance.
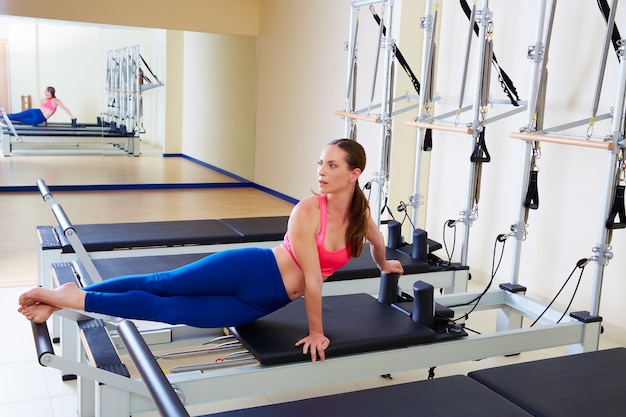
column 392, row 266
column 315, row 343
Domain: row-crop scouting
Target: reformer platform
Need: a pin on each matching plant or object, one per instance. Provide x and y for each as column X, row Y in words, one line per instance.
column 453, row 396
column 589, row 384
column 64, row 134
column 359, row 275
column 592, row 383
column 128, row 240
column 356, row 323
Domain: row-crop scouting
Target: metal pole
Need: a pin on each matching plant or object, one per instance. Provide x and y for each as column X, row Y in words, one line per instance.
column 468, row 214
column 426, row 56
column 603, row 249
column 382, row 180
column 538, row 57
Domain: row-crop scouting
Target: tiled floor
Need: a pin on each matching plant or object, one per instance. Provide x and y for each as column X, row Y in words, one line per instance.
column 28, row 389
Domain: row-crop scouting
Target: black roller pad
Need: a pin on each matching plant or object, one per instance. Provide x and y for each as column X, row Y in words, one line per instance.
column 354, row 323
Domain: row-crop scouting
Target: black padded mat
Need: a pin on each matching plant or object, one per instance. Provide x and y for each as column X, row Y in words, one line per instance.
column 256, row 229
column 109, row 268
column 102, row 237
column 354, row 323
column 453, row 396
column 581, row 385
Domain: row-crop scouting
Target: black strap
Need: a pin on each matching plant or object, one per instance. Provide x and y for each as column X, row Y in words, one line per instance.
column 400, row 57
column 617, row 210
column 615, row 36
column 505, row 80
column 480, row 154
column 428, row 141
column 149, row 70
column 532, row 195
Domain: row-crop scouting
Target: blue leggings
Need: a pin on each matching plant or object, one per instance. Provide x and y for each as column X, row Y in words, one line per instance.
column 228, row 288
column 29, row 116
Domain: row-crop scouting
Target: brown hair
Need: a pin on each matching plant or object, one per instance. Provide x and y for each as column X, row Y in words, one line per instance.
column 52, row 91
column 359, row 206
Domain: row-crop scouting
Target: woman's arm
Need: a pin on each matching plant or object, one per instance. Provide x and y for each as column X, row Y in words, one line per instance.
column 302, row 229
column 61, row 105
column 379, row 251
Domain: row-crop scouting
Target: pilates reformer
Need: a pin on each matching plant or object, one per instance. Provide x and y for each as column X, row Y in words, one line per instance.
column 577, row 385
column 14, row 135
column 127, row 248
column 360, row 275
column 60, row 244
column 403, row 342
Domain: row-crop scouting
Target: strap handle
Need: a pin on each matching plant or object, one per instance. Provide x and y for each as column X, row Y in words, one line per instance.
column 532, row 195
column 617, row 210
column 480, row 154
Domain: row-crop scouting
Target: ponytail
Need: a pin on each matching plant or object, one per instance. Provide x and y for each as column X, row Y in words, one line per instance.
column 359, row 219
column 359, row 206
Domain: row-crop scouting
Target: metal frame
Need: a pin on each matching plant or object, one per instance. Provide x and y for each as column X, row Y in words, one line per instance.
column 129, row 144
column 121, row 396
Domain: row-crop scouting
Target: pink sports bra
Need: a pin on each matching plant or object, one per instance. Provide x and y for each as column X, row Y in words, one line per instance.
column 330, row 261
column 48, row 104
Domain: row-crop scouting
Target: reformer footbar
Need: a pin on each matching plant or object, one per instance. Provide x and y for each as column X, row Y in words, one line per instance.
column 9, row 123
column 70, row 233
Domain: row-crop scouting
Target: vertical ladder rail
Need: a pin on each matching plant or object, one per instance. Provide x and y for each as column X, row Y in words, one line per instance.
column 386, row 117
column 538, row 61
column 421, row 132
column 468, row 213
column 603, row 250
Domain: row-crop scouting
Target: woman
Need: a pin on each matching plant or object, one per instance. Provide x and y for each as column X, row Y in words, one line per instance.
column 234, row 287
column 47, row 108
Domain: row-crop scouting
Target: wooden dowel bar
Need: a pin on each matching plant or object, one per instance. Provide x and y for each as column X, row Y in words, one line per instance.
column 366, row 118
column 441, row 126
column 563, row 140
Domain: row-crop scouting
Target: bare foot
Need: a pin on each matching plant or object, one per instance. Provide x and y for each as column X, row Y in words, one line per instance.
column 66, row 296
column 38, row 313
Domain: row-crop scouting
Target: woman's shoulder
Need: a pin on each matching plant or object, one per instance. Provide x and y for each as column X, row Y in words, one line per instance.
column 307, row 206
column 310, row 201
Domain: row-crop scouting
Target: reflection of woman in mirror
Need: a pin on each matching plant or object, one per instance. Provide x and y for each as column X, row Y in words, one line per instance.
column 47, row 108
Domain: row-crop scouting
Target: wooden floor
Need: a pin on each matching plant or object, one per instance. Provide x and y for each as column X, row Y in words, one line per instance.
column 22, row 212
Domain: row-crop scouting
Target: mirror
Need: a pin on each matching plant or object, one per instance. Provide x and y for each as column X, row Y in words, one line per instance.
column 211, row 88
column 88, row 64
